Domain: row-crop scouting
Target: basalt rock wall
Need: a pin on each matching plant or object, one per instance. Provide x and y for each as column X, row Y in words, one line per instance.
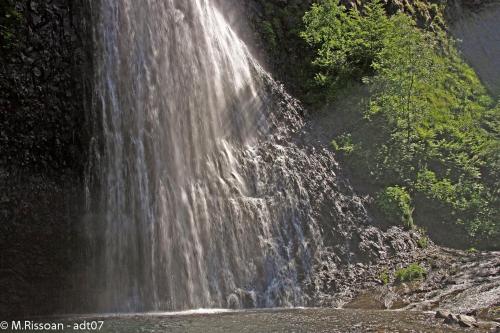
column 42, row 94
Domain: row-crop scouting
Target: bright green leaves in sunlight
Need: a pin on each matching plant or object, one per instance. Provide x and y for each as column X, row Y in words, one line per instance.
column 347, row 42
column 395, row 203
column 404, row 68
column 424, row 127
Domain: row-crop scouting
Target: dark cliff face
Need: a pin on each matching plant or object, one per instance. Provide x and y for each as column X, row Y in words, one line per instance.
column 41, row 154
column 40, row 88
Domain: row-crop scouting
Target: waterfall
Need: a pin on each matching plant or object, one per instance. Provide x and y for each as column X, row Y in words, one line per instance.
column 191, row 200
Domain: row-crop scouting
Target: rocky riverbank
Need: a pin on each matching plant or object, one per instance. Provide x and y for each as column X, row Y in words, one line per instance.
column 462, row 288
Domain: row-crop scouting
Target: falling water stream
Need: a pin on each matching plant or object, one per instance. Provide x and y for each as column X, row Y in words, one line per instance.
column 185, row 212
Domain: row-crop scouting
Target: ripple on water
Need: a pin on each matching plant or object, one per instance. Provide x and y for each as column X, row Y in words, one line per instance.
column 277, row 320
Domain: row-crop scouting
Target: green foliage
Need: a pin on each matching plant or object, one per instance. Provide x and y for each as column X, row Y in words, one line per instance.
column 288, row 55
column 395, row 203
column 411, row 273
column 472, row 250
column 343, row 144
column 428, row 126
column 384, row 277
column 404, row 69
column 423, row 242
column 435, row 131
column 346, row 42
column 10, row 19
column 269, row 35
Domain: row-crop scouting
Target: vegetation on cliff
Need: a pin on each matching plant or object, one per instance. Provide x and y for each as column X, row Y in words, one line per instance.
column 278, row 24
column 411, row 273
column 10, row 19
column 423, row 125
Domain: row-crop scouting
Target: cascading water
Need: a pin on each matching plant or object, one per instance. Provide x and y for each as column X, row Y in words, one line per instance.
column 186, row 211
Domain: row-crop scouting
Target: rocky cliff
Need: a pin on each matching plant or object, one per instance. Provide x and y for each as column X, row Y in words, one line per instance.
column 41, row 135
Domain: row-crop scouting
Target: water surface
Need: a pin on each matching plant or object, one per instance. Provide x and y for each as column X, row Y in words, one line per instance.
column 279, row 320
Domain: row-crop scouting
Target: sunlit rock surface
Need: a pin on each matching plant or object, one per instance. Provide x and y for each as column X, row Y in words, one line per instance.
column 476, row 25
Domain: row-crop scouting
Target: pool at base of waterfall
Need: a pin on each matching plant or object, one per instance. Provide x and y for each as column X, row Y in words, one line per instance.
column 300, row 320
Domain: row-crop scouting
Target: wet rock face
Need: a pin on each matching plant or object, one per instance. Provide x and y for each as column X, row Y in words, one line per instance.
column 458, row 282
column 41, row 116
column 37, row 240
column 352, row 248
column 40, row 88
column 348, row 271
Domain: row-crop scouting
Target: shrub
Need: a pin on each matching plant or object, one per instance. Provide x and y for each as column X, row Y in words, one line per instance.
column 472, row 250
column 269, row 35
column 410, row 273
column 347, row 42
column 395, row 203
column 423, row 242
column 384, row 277
column 343, row 144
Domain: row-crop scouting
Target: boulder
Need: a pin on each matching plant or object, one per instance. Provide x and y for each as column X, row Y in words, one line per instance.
column 442, row 314
column 451, row 319
column 462, row 320
column 466, row 321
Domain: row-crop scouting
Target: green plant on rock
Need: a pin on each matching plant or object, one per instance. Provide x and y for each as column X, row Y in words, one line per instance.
column 395, row 203
column 411, row 273
column 269, row 35
column 384, row 277
column 423, row 242
column 343, row 144
column 404, row 66
column 472, row 250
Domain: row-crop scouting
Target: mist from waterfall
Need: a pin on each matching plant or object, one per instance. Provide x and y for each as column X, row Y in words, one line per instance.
column 184, row 210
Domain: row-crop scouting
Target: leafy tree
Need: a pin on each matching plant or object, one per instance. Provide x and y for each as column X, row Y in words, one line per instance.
column 404, row 68
column 429, row 129
column 327, row 29
column 370, row 30
column 347, row 41
column 395, row 204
